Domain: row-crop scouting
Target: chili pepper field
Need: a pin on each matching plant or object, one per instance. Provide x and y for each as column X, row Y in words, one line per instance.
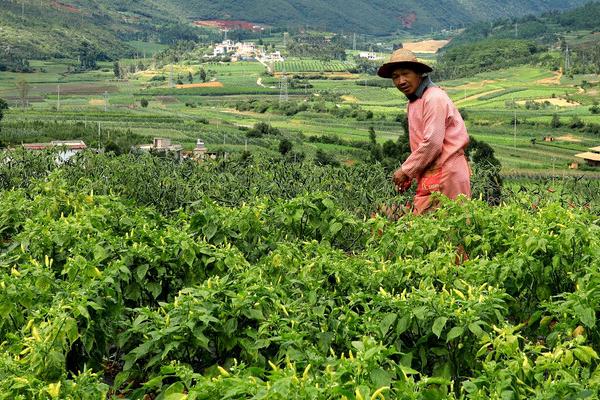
column 107, row 292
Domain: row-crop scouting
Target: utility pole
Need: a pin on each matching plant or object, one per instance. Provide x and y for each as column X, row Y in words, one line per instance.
column 58, row 97
column 515, row 126
column 567, row 60
column 105, row 101
column 516, row 29
column 354, row 42
column 171, row 83
column 283, row 86
column 99, row 136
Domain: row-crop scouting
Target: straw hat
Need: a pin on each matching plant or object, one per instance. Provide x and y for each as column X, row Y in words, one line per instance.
column 402, row 58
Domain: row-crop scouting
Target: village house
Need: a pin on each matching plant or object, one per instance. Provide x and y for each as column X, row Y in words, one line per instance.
column 592, row 157
column 273, row 57
column 67, row 148
column 162, row 146
column 239, row 50
column 224, row 48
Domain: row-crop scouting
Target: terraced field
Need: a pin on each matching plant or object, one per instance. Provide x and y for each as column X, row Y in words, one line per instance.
column 491, row 101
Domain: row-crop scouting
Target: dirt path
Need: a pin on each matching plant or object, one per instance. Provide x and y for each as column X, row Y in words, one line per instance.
column 259, row 83
column 267, row 66
column 425, row 46
column 555, row 80
column 476, row 96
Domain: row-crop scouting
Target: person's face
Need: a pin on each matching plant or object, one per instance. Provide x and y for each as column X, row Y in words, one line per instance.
column 406, row 80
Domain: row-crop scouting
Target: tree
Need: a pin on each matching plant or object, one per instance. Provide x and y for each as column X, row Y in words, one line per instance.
column 117, row 70
column 144, row 103
column 261, row 129
column 23, row 89
column 190, row 77
column 372, row 135
column 487, row 178
column 87, row 56
column 3, row 106
column 112, row 147
column 285, row 146
column 555, row 123
column 323, row 158
column 202, row 75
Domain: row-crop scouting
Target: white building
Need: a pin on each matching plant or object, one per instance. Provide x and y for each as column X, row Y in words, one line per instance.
column 245, row 50
column 237, row 50
column 273, row 57
column 369, row 55
column 225, row 47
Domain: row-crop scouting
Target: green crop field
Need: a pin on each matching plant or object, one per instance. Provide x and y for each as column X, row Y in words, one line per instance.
column 137, row 276
column 491, row 100
column 303, row 65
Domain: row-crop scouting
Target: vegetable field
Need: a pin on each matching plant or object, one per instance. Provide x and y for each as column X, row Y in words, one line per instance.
column 106, row 291
column 302, row 65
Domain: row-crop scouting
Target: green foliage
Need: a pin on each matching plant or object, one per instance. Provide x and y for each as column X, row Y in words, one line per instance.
column 294, row 298
column 285, row 146
column 3, row 106
column 555, row 122
column 323, row 158
column 488, row 180
column 261, row 129
column 88, row 55
column 485, row 55
column 585, row 17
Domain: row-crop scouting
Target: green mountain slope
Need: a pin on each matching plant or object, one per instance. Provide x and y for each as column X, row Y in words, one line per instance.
column 375, row 16
column 47, row 28
column 51, row 28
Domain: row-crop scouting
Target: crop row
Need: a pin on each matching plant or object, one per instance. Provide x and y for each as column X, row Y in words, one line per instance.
column 313, row 66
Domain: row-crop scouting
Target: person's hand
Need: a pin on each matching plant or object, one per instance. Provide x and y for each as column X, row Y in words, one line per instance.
column 401, row 180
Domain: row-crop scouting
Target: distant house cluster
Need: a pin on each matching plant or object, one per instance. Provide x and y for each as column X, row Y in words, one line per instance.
column 159, row 146
column 163, row 146
column 239, row 51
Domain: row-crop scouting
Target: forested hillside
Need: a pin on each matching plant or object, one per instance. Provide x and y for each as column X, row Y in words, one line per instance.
column 52, row 29
column 509, row 42
column 375, row 17
column 42, row 29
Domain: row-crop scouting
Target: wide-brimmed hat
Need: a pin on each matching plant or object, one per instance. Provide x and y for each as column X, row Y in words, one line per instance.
column 402, row 58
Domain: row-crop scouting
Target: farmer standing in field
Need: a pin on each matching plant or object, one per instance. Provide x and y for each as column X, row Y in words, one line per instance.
column 437, row 134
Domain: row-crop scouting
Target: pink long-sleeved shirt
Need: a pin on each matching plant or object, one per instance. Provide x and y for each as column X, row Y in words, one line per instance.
column 437, row 132
column 438, row 137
